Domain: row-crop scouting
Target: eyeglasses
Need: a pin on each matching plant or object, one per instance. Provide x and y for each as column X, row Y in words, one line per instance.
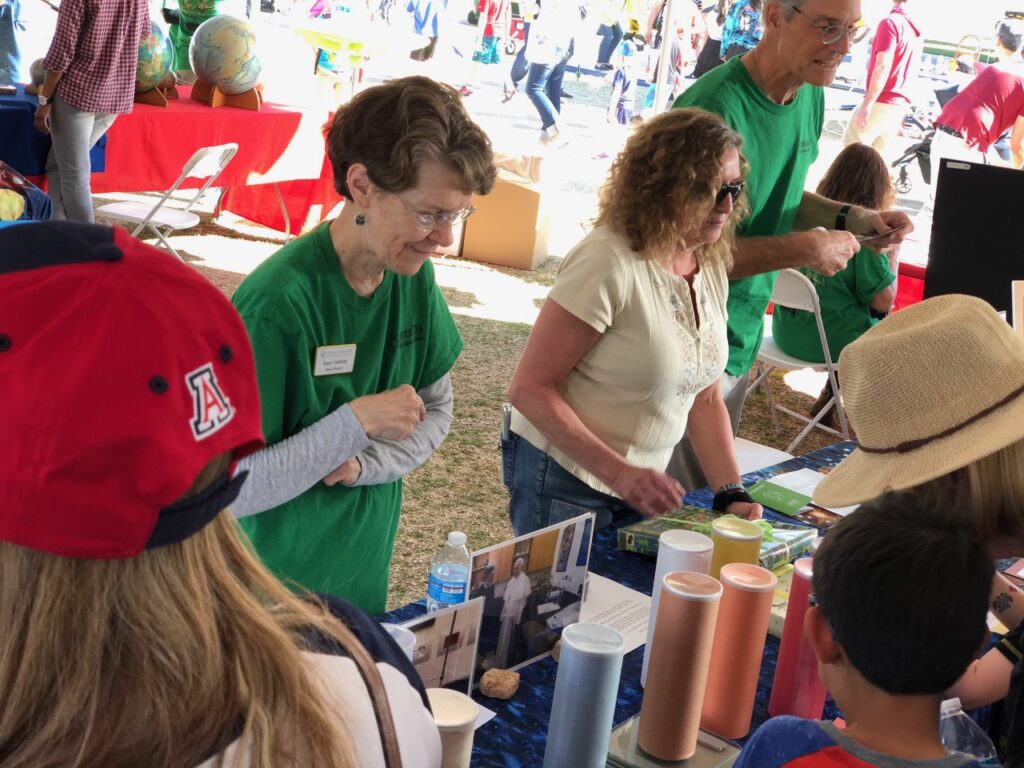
column 428, row 221
column 833, row 33
column 732, row 190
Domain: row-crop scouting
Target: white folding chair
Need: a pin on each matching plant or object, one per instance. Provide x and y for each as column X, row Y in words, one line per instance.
column 794, row 290
column 207, row 163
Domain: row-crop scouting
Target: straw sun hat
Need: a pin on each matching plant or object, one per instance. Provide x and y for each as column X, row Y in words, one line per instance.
column 929, row 390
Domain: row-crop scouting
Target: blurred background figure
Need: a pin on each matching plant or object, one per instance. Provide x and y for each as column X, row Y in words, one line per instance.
column 11, row 26
column 895, row 58
column 741, row 28
column 710, row 55
column 495, row 22
column 992, row 103
column 623, row 98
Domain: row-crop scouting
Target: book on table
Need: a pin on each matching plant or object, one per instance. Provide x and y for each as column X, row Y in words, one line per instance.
column 787, row 542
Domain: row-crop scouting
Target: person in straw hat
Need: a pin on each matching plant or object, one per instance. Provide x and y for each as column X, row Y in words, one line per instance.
column 935, row 394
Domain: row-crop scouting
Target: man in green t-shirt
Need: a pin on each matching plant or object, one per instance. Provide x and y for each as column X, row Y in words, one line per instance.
column 774, row 98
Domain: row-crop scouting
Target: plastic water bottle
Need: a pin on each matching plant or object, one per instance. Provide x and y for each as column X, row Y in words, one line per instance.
column 959, row 733
column 448, row 581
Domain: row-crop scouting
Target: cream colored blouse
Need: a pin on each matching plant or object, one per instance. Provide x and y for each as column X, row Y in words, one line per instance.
column 636, row 385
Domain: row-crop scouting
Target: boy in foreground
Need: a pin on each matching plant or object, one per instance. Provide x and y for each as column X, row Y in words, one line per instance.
column 901, row 591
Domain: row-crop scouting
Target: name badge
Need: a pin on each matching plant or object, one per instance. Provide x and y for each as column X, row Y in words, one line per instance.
column 334, row 359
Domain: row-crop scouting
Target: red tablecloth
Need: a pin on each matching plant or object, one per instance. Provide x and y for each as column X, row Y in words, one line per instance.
column 909, row 285
column 276, row 145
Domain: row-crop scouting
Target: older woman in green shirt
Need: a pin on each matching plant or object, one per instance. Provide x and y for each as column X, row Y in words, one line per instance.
column 354, row 341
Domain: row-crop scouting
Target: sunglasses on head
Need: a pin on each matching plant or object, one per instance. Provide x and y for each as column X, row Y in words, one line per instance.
column 733, row 190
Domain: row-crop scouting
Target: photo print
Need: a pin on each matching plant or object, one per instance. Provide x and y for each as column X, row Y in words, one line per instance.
column 446, row 645
column 531, row 588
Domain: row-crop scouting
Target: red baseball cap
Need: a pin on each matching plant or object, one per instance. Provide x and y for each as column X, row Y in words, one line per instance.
column 123, row 372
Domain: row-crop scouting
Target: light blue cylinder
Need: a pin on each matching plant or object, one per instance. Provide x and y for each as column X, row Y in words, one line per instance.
column 585, row 692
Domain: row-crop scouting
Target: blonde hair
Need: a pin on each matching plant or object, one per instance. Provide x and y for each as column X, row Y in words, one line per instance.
column 990, row 490
column 666, row 178
column 158, row 660
column 996, row 487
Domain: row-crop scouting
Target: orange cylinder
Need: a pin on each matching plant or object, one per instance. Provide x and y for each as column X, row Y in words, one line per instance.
column 740, row 635
column 683, row 633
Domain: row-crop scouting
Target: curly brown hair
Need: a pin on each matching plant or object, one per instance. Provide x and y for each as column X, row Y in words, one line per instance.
column 666, row 178
column 394, row 128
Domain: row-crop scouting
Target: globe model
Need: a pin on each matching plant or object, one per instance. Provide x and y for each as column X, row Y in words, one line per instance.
column 223, row 53
column 155, row 55
column 36, row 72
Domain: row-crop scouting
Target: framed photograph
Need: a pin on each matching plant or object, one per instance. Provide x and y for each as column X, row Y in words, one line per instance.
column 532, row 587
column 446, row 645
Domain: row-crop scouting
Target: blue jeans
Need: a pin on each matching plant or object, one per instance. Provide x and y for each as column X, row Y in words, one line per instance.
column 610, row 38
column 544, row 87
column 542, row 492
column 520, row 67
column 68, row 167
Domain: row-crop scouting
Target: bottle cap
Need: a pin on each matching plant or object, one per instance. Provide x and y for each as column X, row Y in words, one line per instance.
column 457, row 539
column 950, row 706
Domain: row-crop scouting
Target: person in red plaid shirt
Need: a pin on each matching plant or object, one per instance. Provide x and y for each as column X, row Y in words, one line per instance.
column 90, row 80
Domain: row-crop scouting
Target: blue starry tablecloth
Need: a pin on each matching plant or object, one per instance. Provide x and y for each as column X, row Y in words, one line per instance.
column 517, row 735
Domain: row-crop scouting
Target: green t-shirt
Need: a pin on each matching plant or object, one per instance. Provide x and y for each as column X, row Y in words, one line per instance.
column 336, row 539
column 845, row 308
column 780, row 142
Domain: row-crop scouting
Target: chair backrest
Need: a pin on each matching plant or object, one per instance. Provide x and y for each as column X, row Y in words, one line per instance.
column 207, row 163
column 794, row 289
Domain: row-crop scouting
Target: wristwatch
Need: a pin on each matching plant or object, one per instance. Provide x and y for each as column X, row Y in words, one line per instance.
column 44, row 101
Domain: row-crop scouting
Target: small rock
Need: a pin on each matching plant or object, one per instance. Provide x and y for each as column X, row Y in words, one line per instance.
column 556, row 652
column 499, row 683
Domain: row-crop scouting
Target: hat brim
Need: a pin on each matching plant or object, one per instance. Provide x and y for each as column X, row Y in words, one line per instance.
column 863, row 476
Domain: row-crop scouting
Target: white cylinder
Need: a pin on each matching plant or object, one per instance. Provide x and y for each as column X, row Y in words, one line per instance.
column 678, row 550
column 586, row 689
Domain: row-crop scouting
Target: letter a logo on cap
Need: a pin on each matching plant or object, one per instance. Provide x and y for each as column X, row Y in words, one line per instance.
column 210, row 409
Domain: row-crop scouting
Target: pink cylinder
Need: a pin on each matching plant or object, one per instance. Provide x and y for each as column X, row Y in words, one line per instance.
column 683, row 633
column 797, row 689
column 740, row 635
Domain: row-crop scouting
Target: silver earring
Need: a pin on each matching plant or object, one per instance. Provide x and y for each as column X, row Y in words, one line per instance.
column 360, row 219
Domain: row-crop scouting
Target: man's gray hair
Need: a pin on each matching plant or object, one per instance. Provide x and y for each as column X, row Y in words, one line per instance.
column 789, row 6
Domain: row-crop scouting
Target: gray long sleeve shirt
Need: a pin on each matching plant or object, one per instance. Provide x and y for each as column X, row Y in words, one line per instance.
column 289, row 468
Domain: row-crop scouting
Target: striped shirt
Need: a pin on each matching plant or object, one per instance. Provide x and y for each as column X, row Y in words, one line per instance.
column 96, row 46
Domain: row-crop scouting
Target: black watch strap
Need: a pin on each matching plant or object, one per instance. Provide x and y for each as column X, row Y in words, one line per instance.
column 729, row 494
column 841, row 217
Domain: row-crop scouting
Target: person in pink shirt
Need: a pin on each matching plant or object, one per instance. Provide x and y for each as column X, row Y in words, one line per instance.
column 990, row 104
column 90, row 80
column 895, row 55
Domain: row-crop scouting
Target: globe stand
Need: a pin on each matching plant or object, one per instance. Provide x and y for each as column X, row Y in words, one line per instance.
column 153, row 97
column 212, row 96
column 158, row 95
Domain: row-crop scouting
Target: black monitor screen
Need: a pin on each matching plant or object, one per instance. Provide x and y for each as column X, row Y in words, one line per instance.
column 977, row 243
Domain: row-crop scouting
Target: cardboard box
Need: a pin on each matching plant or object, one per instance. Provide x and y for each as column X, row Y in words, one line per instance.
column 455, row 249
column 510, row 226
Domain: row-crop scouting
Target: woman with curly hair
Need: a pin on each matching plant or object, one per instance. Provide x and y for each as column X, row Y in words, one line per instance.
column 631, row 342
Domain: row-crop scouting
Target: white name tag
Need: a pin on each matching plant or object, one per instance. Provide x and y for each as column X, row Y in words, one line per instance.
column 337, row 358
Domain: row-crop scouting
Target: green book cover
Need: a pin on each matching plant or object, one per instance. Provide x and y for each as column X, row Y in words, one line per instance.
column 783, row 500
column 787, row 542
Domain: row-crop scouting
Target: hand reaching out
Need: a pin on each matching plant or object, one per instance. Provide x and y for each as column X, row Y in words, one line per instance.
column 648, row 491
column 748, row 510
column 828, row 250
